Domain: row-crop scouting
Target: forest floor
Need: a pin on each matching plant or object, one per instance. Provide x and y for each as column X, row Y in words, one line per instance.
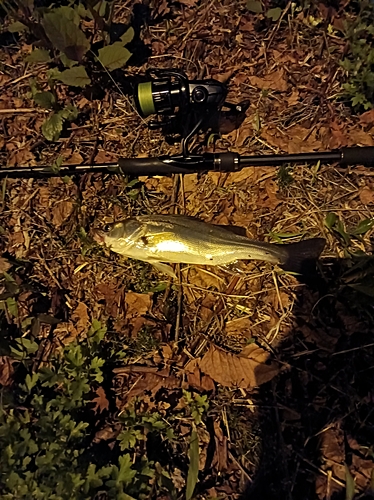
column 287, row 367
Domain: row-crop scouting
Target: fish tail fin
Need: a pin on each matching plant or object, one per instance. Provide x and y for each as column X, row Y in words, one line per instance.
column 301, row 257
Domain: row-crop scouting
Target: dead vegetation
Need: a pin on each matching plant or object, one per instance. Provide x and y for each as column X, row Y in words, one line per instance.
column 287, row 366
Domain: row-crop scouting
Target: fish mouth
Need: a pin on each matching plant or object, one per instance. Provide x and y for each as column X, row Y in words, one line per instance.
column 98, row 236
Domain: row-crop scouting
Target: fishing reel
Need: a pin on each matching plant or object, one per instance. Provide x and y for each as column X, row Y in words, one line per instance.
column 181, row 106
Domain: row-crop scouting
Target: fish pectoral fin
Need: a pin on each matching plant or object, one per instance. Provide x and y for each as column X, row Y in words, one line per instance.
column 164, row 268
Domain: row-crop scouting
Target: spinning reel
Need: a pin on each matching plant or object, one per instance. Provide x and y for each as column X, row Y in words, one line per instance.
column 182, row 107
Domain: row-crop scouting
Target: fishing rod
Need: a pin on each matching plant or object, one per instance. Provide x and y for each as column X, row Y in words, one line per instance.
column 222, row 162
column 182, row 108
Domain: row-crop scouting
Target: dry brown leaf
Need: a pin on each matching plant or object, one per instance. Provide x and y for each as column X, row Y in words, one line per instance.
column 101, row 402
column 105, row 157
column 246, row 370
column 367, row 118
column 359, row 137
column 137, row 304
column 81, row 318
column 62, row 211
column 272, row 200
column 190, row 182
column 202, row 278
column 6, row 370
column 294, row 98
column 366, row 196
column 196, row 379
column 272, row 81
column 150, row 382
column 220, row 457
column 163, row 184
column 5, row 265
column 105, row 434
column 239, row 325
column 76, row 158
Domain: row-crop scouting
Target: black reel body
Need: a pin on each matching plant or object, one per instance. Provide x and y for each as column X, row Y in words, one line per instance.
column 182, row 106
column 169, row 92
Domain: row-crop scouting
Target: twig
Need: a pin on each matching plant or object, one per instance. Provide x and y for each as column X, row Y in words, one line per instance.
column 141, row 369
column 13, row 111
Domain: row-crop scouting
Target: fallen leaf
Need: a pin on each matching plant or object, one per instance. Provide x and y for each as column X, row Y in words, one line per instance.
column 367, row 118
column 81, row 318
column 149, row 383
column 105, row 157
column 246, row 370
column 61, row 212
column 197, row 379
column 272, row 81
column 75, row 159
column 294, row 98
column 137, row 304
column 105, row 434
column 163, row 184
column 366, row 196
column 220, row 457
column 239, row 325
column 6, row 370
column 101, row 402
column 271, row 188
column 5, row 265
column 359, row 137
column 190, row 183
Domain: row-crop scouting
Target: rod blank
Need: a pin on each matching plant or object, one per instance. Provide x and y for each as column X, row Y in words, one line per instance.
column 225, row 162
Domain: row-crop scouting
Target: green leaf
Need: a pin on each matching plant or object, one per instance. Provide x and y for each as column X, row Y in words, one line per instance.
column 65, row 35
column 52, row 127
column 363, row 227
column 76, row 77
column 128, row 36
column 69, row 13
column 83, row 12
column 339, row 227
column 125, row 473
column 129, row 437
column 17, row 27
column 69, row 113
column 45, row 99
column 30, row 381
column 12, row 306
column 92, row 479
column 114, row 56
column 349, row 485
column 330, row 220
column 68, row 63
column 274, row 14
column 159, row 288
column 254, row 6
column 38, row 56
column 101, row 8
column 193, row 469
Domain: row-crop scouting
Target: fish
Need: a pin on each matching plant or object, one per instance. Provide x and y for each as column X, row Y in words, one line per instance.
column 161, row 239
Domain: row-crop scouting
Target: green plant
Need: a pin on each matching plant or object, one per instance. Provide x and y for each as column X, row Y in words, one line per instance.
column 49, row 417
column 359, row 61
column 71, row 53
column 44, row 431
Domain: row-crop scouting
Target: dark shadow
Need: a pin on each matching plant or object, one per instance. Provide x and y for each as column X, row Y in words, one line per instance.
column 318, row 414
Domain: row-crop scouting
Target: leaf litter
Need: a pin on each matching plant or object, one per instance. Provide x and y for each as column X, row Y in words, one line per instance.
column 260, row 330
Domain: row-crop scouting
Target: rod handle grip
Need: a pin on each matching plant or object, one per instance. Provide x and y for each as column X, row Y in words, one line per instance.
column 151, row 166
column 358, row 156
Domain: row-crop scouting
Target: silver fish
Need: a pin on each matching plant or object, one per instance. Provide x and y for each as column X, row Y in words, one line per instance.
column 182, row 239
